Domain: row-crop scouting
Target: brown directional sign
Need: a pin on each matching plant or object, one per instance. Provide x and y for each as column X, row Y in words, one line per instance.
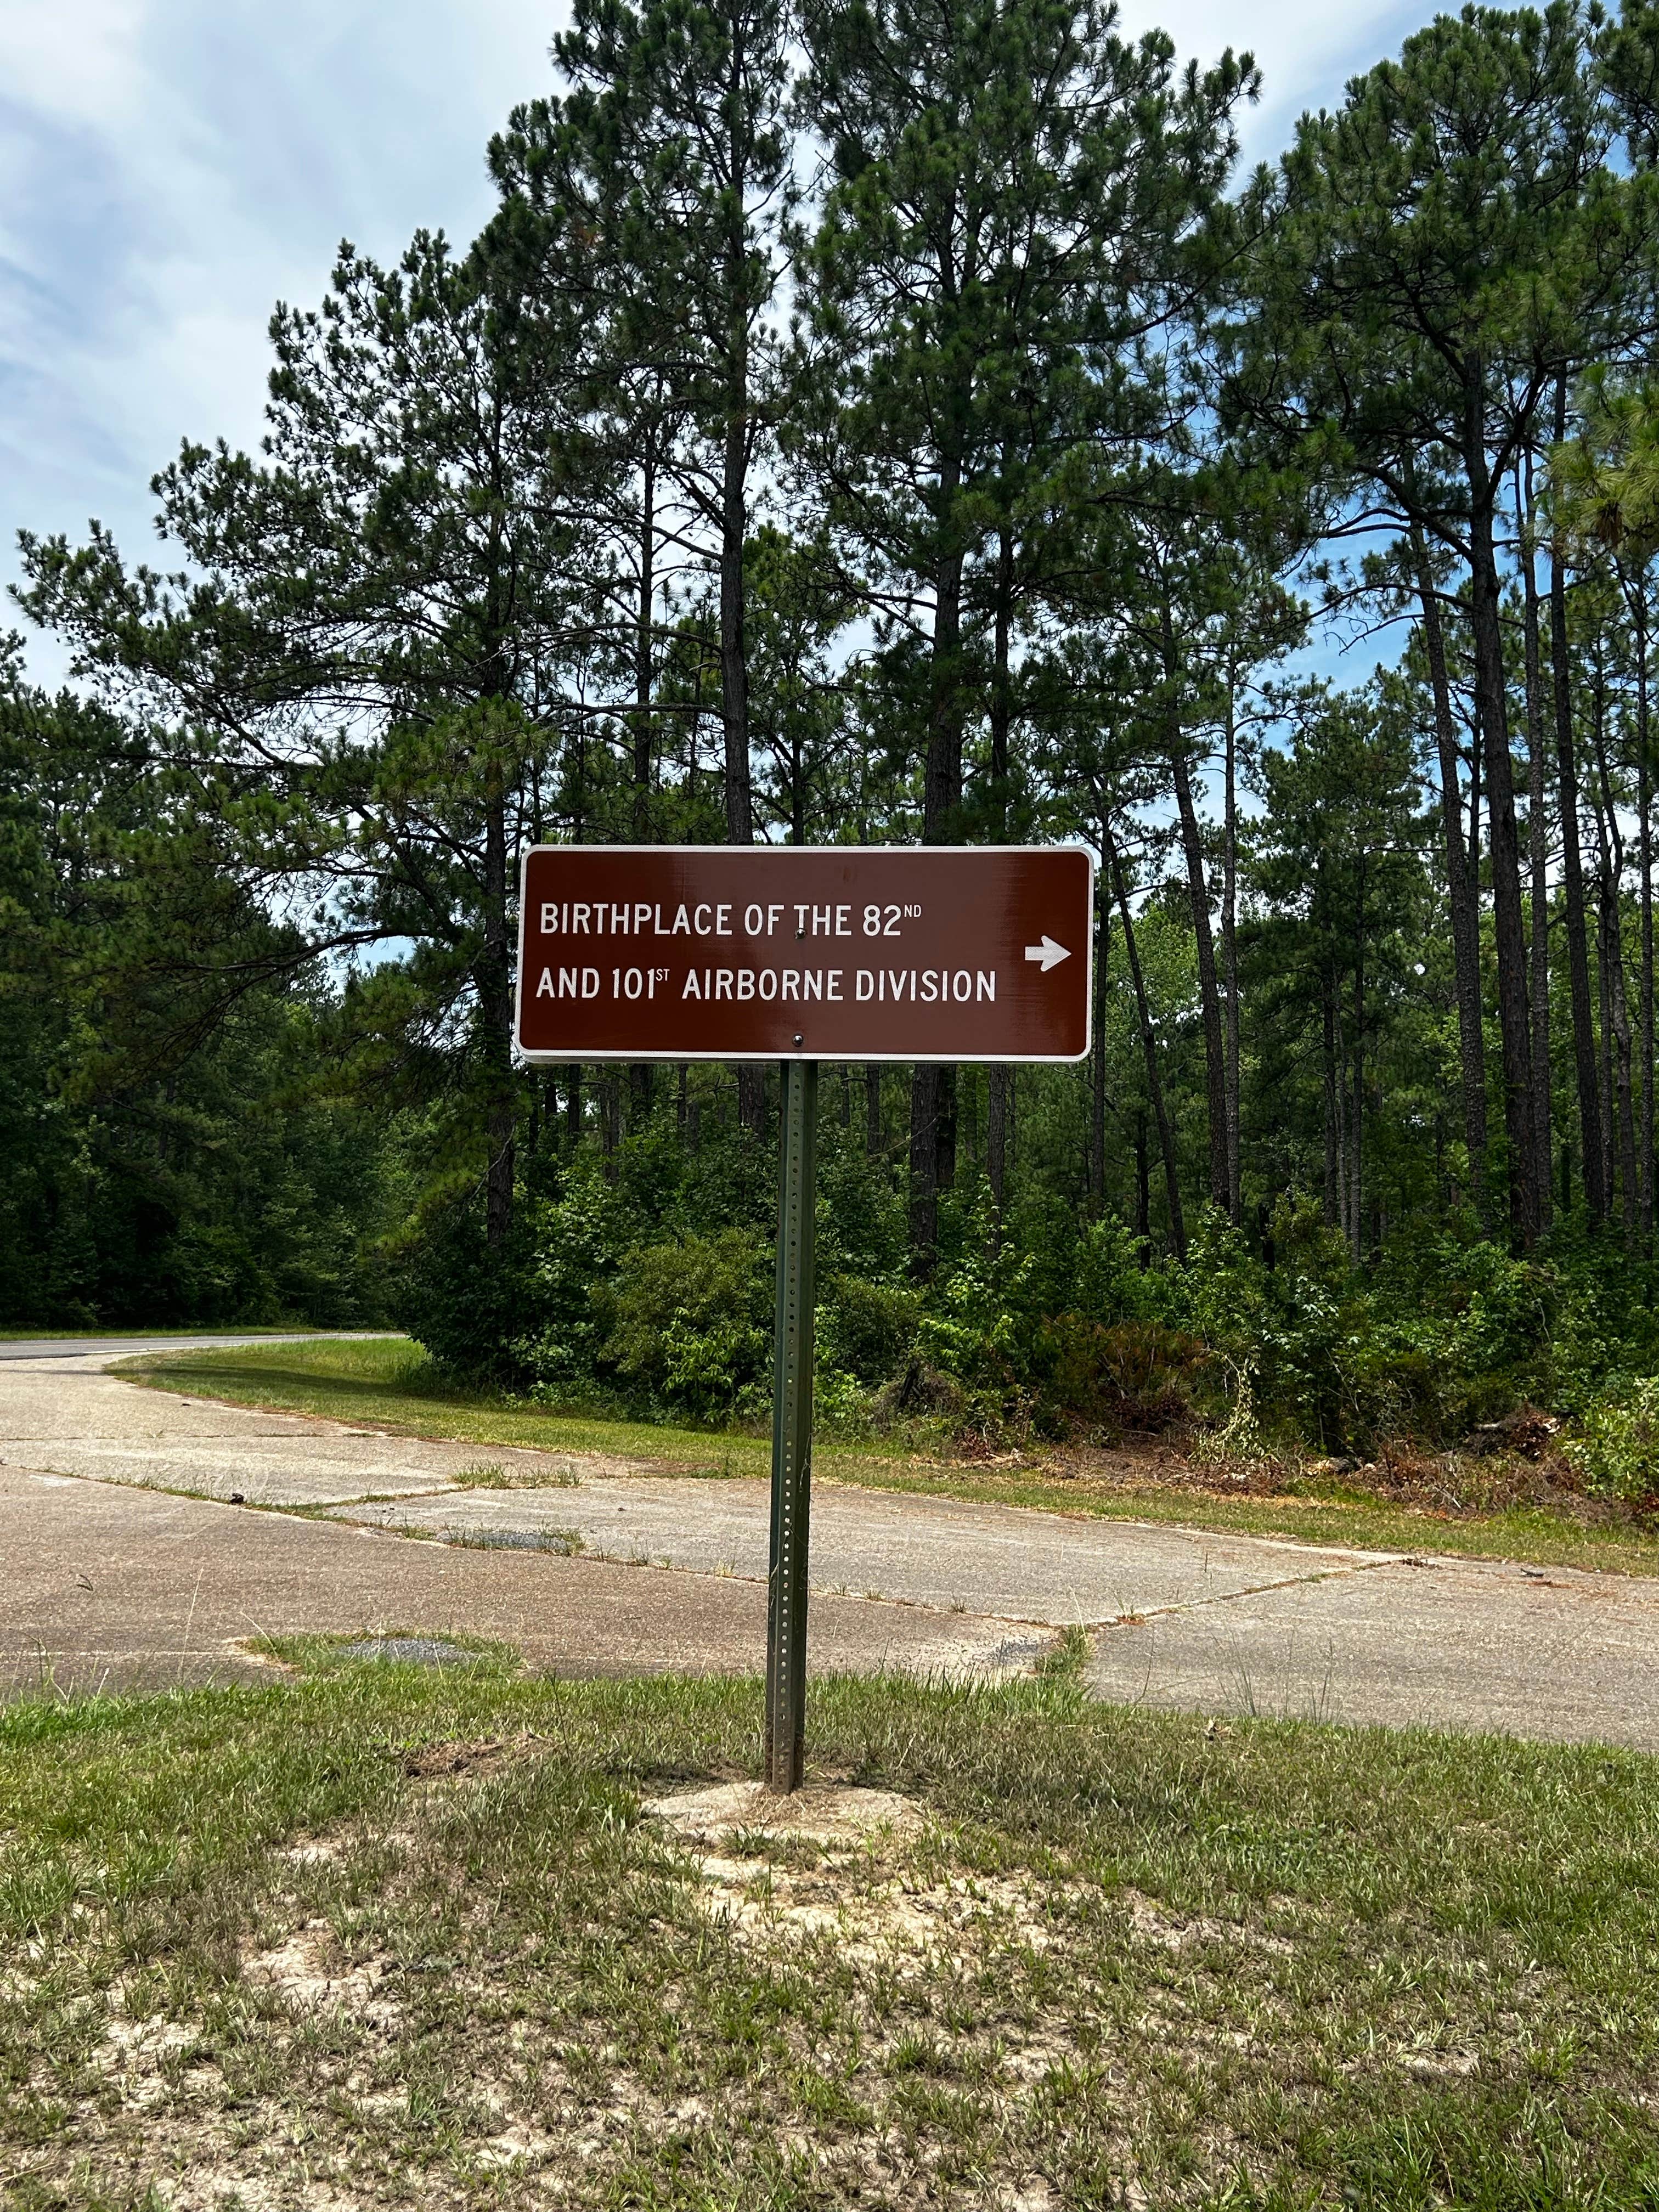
column 815, row 952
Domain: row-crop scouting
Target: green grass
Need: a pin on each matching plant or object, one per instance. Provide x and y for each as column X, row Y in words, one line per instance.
column 388, row 1382
column 384, row 1934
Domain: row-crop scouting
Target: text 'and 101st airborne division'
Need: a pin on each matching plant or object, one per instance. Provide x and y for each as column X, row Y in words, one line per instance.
column 816, row 953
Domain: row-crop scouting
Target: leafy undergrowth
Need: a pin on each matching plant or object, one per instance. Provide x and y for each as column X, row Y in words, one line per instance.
column 1495, row 1507
column 382, row 1934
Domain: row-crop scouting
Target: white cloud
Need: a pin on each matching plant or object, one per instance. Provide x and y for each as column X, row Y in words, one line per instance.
column 170, row 168
column 1306, row 52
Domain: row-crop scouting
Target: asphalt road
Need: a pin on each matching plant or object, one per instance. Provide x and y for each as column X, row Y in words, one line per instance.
column 146, row 1538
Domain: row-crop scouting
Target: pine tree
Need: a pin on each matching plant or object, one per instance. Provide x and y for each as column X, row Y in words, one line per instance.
column 1433, row 258
column 1016, row 203
column 365, row 655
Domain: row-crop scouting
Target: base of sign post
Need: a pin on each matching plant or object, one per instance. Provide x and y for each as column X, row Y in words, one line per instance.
column 792, row 1431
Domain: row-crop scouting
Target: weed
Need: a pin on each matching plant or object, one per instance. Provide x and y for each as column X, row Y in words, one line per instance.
column 1067, row 1657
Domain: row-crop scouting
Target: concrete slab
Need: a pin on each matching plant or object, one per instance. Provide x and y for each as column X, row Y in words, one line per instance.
column 106, row 1587
column 69, row 1416
column 107, row 1578
column 1548, row 1653
column 70, row 1399
column 234, row 1470
column 319, row 1469
column 1003, row 1560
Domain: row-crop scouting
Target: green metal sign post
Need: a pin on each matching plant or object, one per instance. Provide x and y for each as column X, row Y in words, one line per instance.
column 792, row 1431
column 801, row 954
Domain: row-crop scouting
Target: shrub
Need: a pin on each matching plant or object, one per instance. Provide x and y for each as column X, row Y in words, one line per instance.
column 577, row 1241
column 1616, row 1452
column 922, row 1392
column 979, row 1323
column 466, row 1304
column 868, row 1330
column 842, row 1407
column 1109, row 1283
column 1132, row 1374
column 690, row 1321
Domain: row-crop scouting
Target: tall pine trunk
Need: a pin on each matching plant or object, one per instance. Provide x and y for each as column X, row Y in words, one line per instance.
column 642, row 639
column 1215, row 1055
column 1334, row 1158
column 734, row 665
column 998, row 1077
column 1149, row 1049
column 1604, row 1071
column 1644, row 829
column 1359, row 1066
column 932, row 1087
column 1572, row 870
column 1615, row 1004
column 998, row 1087
column 1097, row 1057
column 1636, row 598
column 495, row 996
column 1513, row 1019
column 1461, row 885
column 1537, row 850
column 1229, row 946
column 734, row 517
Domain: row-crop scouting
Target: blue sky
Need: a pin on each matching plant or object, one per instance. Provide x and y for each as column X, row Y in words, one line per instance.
column 170, row 168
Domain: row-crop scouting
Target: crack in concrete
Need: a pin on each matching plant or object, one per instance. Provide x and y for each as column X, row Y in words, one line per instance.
column 1144, row 1614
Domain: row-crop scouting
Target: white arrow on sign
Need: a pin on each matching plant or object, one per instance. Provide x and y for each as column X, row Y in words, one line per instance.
column 1048, row 953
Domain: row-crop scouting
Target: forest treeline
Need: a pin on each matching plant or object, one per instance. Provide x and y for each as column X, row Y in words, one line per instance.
column 885, row 421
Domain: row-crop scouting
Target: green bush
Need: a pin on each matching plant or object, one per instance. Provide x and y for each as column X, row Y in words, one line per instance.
column 646, row 1278
column 576, row 1240
column 841, row 1405
column 868, row 1330
column 467, row 1304
column 1616, row 1451
column 979, row 1322
column 690, row 1323
column 1128, row 1375
column 1109, row 1283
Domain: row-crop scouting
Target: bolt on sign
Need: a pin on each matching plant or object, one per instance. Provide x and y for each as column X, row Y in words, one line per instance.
column 813, row 952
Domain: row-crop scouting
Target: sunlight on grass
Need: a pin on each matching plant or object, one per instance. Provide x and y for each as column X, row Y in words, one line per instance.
column 390, row 1380
column 387, row 1919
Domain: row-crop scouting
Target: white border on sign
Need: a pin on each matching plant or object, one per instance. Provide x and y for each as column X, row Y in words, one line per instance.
column 767, row 1059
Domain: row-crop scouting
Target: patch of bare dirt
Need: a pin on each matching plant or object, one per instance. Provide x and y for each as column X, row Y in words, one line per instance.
column 857, row 1888
column 435, row 1760
column 1172, row 1931
column 899, row 1923
column 312, row 1850
column 215, row 2184
column 821, row 1812
column 135, row 2051
column 308, row 1973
